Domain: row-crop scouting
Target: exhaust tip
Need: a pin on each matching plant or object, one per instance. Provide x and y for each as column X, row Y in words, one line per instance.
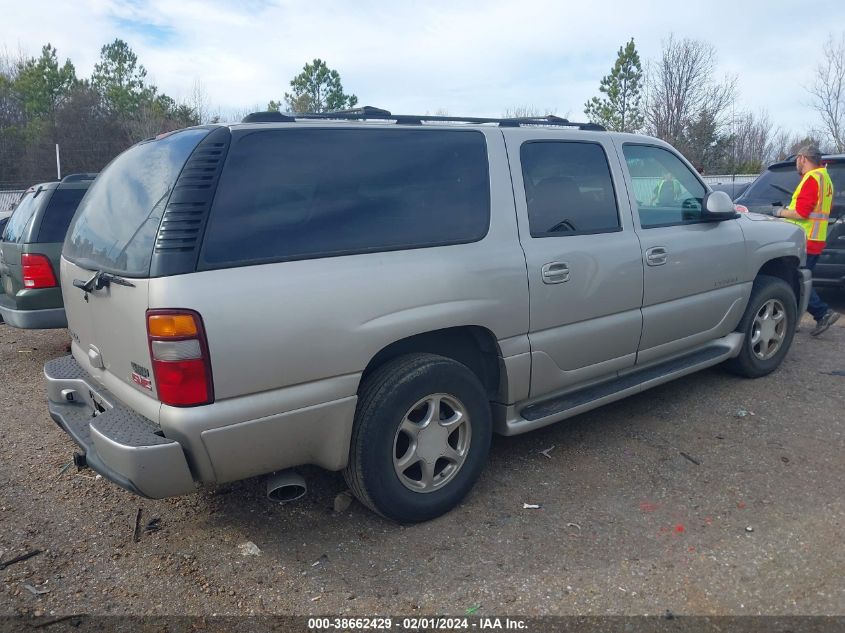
column 286, row 486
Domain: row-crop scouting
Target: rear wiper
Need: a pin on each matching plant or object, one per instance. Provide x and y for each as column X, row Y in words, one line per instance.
column 101, row 279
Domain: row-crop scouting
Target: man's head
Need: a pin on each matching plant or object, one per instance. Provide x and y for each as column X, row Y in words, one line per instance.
column 808, row 157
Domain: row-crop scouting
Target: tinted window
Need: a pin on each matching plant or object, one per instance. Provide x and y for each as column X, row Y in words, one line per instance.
column 568, row 189
column 20, row 219
column 118, row 220
column 774, row 186
column 837, row 177
column 293, row 194
column 666, row 190
column 58, row 214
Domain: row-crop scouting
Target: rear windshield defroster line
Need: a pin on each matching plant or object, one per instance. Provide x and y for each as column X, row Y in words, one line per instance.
column 115, row 227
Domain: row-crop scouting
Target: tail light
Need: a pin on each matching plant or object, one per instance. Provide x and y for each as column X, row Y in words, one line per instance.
column 741, row 208
column 179, row 352
column 37, row 271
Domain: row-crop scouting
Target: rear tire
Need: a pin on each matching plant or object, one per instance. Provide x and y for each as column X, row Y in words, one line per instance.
column 421, row 437
column 769, row 326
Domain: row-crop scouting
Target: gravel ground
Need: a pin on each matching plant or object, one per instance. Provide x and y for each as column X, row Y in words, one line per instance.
column 710, row 495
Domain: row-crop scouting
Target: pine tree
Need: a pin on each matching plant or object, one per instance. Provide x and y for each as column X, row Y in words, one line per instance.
column 620, row 109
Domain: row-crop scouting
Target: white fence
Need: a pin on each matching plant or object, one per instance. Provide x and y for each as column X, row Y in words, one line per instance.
column 9, row 198
column 739, row 179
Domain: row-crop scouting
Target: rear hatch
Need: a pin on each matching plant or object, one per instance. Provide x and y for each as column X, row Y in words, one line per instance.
column 109, row 246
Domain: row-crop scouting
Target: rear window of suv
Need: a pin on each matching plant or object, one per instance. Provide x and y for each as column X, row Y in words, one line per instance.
column 773, row 186
column 117, row 222
column 16, row 226
column 306, row 193
column 58, row 214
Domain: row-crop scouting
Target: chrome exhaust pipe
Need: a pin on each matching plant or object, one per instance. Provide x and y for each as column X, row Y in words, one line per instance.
column 286, row 486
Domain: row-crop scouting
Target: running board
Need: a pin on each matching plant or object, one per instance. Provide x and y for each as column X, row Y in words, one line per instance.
column 558, row 408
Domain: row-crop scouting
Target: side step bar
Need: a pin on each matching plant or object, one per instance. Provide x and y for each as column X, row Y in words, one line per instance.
column 556, row 408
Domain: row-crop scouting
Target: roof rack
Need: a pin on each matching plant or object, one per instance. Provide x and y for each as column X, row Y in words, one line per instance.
column 369, row 112
column 79, row 177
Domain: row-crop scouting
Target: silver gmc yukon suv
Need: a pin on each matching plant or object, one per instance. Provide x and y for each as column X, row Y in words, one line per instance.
column 379, row 294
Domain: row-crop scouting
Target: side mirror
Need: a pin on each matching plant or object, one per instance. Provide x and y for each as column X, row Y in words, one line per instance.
column 718, row 206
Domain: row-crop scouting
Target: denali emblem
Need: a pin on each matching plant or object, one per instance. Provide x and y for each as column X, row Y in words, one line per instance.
column 142, row 371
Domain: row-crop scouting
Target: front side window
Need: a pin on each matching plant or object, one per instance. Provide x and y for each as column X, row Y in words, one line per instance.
column 306, row 193
column 568, row 189
column 666, row 190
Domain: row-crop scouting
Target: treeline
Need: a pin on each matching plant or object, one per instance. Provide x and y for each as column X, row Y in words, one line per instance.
column 680, row 99
column 43, row 103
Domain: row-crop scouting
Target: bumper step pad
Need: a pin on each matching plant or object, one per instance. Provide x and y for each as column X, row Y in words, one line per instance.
column 119, row 443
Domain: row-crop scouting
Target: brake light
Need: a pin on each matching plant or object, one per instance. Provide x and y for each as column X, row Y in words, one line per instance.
column 179, row 353
column 37, row 271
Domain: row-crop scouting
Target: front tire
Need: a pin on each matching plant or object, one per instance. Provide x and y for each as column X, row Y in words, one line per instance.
column 421, row 437
column 769, row 326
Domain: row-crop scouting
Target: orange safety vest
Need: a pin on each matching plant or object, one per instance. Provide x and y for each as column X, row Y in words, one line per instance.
column 815, row 226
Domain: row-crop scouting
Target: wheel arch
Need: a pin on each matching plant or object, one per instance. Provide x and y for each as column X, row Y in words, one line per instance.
column 474, row 346
column 785, row 268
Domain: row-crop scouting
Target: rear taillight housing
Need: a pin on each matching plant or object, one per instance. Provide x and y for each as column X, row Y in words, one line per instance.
column 37, row 271
column 741, row 208
column 179, row 353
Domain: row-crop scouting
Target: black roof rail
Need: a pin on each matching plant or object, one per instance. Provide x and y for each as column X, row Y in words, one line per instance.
column 369, row 112
column 267, row 117
column 79, row 177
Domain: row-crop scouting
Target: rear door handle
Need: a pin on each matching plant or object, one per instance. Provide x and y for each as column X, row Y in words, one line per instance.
column 555, row 272
column 656, row 256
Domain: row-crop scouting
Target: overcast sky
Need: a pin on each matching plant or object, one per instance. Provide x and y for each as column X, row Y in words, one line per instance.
column 469, row 58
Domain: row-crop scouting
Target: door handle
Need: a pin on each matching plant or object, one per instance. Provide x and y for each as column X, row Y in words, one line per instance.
column 555, row 273
column 656, row 256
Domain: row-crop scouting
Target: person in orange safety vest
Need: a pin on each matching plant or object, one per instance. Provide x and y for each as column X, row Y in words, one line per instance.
column 810, row 209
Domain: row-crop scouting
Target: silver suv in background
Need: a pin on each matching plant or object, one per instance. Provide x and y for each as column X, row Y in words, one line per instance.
column 378, row 294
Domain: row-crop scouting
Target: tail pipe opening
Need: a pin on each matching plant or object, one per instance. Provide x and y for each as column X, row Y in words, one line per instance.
column 286, row 486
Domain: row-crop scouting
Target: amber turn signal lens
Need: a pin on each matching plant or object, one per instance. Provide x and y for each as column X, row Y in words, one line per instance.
column 172, row 325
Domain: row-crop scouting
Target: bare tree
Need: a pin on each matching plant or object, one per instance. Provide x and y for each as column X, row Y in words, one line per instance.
column 685, row 105
column 198, row 101
column 527, row 111
column 751, row 143
column 828, row 91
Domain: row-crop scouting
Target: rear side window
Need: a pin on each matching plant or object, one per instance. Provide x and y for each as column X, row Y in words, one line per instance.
column 117, row 221
column 58, row 214
column 774, row 186
column 22, row 216
column 568, row 189
column 307, row 193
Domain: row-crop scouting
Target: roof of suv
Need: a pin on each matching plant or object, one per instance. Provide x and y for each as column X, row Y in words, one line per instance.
column 790, row 161
column 369, row 113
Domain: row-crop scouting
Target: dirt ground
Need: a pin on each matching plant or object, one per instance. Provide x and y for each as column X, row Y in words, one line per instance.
column 709, row 495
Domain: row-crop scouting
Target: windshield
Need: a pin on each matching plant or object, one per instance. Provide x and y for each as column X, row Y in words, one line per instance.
column 115, row 226
column 774, row 186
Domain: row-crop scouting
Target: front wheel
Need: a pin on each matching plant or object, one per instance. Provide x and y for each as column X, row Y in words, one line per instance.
column 421, row 437
column 769, row 326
